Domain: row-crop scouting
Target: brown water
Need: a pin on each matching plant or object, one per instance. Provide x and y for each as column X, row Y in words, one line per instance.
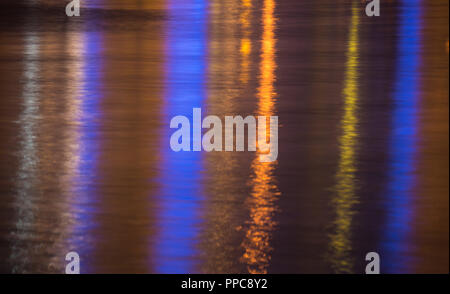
column 86, row 164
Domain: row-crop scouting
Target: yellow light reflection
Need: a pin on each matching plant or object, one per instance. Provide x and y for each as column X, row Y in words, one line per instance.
column 246, row 44
column 340, row 243
column 262, row 202
column 227, row 58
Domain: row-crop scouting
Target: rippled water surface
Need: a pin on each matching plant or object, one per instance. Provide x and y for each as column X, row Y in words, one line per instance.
column 86, row 164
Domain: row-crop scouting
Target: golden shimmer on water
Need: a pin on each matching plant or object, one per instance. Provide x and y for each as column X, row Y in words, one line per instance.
column 223, row 167
column 246, row 43
column 262, row 201
column 340, row 240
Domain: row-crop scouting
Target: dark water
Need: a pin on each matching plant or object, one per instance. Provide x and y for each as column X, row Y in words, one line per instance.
column 86, row 165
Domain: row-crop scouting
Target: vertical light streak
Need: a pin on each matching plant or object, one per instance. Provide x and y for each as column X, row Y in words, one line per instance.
column 224, row 185
column 84, row 149
column 246, row 43
column 69, row 144
column 262, row 201
column 181, row 189
column 26, row 178
column 346, row 197
column 395, row 244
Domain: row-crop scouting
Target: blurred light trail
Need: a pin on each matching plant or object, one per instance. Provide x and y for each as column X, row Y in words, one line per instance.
column 341, row 243
column 224, row 181
column 403, row 143
column 27, row 172
column 88, row 96
column 246, row 43
column 181, row 192
column 262, row 201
